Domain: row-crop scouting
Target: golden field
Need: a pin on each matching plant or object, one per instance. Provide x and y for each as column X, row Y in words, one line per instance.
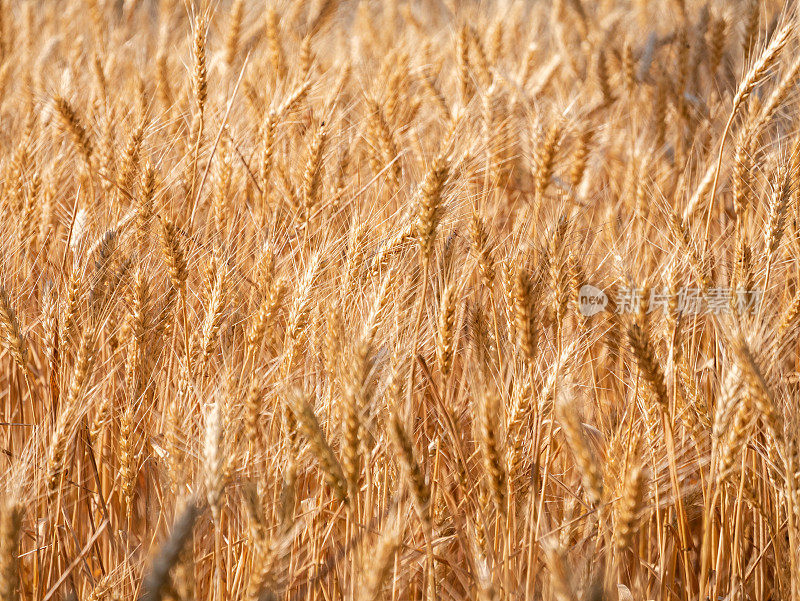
column 421, row 299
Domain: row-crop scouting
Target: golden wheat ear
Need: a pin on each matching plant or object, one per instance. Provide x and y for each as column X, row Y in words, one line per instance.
column 10, row 534
column 412, row 470
column 309, row 426
column 156, row 581
column 13, row 338
column 574, row 431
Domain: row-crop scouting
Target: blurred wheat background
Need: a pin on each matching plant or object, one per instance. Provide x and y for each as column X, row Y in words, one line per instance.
column 290, row 300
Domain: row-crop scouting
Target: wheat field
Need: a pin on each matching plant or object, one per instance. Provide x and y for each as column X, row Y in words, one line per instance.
column 415, row 299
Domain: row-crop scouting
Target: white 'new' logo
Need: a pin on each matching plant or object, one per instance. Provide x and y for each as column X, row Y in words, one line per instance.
column 591, row 300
